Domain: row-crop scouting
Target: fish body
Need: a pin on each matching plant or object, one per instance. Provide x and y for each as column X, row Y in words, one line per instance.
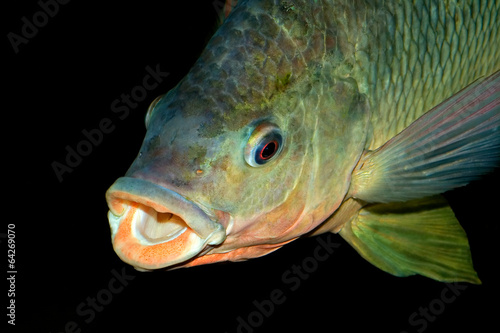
column 300, row 117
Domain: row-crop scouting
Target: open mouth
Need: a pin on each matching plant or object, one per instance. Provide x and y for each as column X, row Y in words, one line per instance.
column 153, row 227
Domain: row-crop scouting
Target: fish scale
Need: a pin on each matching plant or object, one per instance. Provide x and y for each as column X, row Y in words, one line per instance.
column 406, row 56
column 272, row 134
column 427, row 62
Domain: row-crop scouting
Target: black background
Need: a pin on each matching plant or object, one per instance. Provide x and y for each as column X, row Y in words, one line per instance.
column 64, row 81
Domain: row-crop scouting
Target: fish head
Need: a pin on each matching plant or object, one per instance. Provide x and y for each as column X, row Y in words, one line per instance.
column 239, row 158
column 196, row 195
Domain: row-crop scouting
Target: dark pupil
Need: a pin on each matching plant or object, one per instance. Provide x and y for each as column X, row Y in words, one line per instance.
column 268, row 150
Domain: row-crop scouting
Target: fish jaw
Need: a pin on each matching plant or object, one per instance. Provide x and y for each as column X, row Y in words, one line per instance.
column 154, row 227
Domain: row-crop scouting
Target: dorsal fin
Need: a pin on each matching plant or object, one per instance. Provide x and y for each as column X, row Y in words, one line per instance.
column 224, row 8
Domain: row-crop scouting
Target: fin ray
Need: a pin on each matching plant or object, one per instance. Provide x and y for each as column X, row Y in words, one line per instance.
column 416, row 237
column 456, row 142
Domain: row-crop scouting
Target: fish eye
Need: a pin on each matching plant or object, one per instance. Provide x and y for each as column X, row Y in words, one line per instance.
column 265, row 144
column 150, row 111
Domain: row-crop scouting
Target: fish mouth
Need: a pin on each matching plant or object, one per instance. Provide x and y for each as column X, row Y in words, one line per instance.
column 154, row 227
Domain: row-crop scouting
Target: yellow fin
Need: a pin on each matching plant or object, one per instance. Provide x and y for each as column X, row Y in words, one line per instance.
column 415, row 237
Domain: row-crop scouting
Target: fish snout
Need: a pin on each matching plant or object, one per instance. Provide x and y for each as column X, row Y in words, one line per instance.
column 154, row 227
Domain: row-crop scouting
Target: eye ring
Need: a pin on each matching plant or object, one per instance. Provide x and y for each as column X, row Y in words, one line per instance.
column 264, row 145
column 269, row 149
column 149, row 112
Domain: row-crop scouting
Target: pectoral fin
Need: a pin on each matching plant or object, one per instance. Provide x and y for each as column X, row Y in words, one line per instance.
column 415, row 237
column 449, row 146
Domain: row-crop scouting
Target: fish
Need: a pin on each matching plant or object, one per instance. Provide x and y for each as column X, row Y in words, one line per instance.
column 306, row 117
